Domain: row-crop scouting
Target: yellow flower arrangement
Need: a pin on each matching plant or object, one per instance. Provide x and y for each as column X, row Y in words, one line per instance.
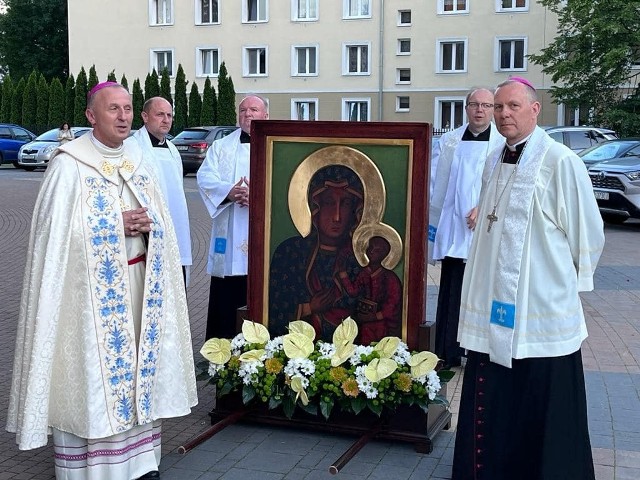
column 294, row 370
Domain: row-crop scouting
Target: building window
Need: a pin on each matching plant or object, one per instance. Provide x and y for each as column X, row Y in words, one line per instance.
column 207, row 62
column 207, row 12
column 404, row 46
column 304, row 10
column 403, row 75
column 254, row 11
column 404, row 18
column 403, row 104
column 160, row 12
column 356, row 60
column 512, row 5
column 255, row 62
column 511, row 54
column 452, row 56
column 304, row 109
column 449, row 113
column 161, row 59
column 357, row 9
column 305, row 61
column 453, row 6
column 355, row 109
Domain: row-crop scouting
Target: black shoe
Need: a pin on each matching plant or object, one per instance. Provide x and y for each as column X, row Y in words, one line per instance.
column 149, row 475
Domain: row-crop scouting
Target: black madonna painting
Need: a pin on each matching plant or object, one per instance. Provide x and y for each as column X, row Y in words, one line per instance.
column 334, row 237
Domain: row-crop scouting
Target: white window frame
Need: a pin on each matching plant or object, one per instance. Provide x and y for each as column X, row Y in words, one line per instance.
column 262, row 17
column 294, row 60
column 440, row 42
column 295, row 11
column 200, row 73
column 455, row 11
column 438, row 111
column 198, row 12
column 294, row 110
column 245, row 61
column 497, row 55
column 400, row 12
column 153, row 60
column 399, row 81
column 513, row 8
column 347, row 101
column 154, row 5
column 346, row 9
column 400, row 41
column 345, row 57
column 399, row 108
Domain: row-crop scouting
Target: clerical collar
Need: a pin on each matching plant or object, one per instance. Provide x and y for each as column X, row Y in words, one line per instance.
column 512, row 153
column 244, row 137
column 155, row 142
column 483, row 136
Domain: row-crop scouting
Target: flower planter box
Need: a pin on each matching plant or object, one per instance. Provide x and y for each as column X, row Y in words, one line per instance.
column 407, row 423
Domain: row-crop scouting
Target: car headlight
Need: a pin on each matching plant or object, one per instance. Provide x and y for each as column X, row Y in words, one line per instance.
column 633, row 175
column 48, row 149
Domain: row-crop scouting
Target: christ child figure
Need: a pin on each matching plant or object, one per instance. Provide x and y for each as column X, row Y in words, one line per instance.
column 379, row 293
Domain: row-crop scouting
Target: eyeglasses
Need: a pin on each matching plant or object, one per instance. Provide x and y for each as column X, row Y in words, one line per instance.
column 485, row 106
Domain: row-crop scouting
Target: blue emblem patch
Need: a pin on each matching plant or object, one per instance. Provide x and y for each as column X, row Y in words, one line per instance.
column 432, row 233
column 503, row 314
column 220, row 245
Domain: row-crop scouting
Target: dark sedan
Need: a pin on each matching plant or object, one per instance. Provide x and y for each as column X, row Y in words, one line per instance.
column 619, row 148
column 193, row 143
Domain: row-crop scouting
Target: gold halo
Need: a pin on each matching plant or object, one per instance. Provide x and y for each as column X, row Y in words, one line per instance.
column 364, row 233
column 362, row 166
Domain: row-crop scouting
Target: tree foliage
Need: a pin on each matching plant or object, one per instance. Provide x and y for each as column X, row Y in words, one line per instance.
column 591, row 59
column 80, row 100
column 137, row 100
column 42, row 105
column 124, row 82
column 56, row 103
column 226, row 98
column 7, row 95
column 151, row 85
column 30, row 102
column 208, row 112
column 195, row 106
column 112, row 76
column 180, row 90
column 165, row 86
column 33, row 35
column 93, row 79
column 16, row 102
column 69, row 98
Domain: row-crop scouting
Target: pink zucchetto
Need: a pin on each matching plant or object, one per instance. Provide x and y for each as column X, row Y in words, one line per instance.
column 523, row 81
column 100, row 86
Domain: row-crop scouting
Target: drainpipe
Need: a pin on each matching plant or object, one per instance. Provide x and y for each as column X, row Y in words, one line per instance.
column 381, row 60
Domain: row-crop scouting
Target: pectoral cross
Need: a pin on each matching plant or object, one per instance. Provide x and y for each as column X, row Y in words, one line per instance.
column 492, row 217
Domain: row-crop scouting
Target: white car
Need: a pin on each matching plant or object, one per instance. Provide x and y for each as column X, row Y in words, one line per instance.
column 38, row 152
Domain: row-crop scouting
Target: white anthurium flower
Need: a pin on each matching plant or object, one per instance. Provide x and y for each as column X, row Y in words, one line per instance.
column 305, row 328
column 298, row 387
column 387, row 347
column 422, row 363
column 252, row 355
column 297, row 345
column 346, row 332
column 342, row 353
column 254, row 332
column 380, row 368
column 216, row 350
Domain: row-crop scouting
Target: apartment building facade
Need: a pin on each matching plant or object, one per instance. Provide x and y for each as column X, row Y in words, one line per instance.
column 364, row 60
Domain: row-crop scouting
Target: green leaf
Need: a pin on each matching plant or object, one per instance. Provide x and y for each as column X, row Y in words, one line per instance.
column 226, row 388
column 311, row 408
column 203, row 376
column 358, row 404
column 274, row 402
column 325, row 408
column 288, row 406
column 248, row 394
column 377, row 409
column 445, row 375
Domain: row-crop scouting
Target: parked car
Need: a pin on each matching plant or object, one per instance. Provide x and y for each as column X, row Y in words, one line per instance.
column 577, row 138
column 619, row 148
column 12, row 137
column 616, row 186
column 193, row 143
column 38, row 152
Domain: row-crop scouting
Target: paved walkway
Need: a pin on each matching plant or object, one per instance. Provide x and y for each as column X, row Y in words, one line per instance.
column 247, row 451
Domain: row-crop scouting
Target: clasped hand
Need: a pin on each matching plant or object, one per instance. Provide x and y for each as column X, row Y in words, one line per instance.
column 239, row 193
column 136, row 222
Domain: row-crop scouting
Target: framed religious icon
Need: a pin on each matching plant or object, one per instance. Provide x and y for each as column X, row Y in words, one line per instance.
column 338, row 222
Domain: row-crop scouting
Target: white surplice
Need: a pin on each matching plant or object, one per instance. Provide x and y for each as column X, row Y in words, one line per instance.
column 227, row 161
column 78, row 367
column 539, row 254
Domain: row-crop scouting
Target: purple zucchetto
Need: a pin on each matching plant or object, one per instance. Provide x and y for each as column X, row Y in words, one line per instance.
column 100, row 86
column 523, row 81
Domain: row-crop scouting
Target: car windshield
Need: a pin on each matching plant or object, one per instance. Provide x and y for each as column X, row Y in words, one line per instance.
column 605, row 151
column 52, row 135
column 195, row 134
